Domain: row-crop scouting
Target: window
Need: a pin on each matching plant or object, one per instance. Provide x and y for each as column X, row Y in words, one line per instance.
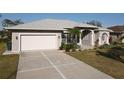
column 63, row 35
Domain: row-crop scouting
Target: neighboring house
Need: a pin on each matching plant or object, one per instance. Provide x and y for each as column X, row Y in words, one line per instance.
column 49, row 34
column 117, row 34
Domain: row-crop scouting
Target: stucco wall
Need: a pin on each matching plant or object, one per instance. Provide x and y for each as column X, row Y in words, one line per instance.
column 15, row 42
column 96, row 36
column 90, row 39
column 87, row 40
column 16, row 39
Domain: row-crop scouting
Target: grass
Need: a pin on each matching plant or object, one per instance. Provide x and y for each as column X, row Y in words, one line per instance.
column 8, row 66
column 2, row 47
column 105, row 64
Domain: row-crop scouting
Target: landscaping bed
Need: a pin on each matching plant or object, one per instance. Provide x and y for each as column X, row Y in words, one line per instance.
column 107, row 63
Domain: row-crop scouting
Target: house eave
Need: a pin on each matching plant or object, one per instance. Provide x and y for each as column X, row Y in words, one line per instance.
column 24, row 29
column 86, row 27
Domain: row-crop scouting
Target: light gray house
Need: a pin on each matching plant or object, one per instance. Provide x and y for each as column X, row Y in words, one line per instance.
column 49, row 33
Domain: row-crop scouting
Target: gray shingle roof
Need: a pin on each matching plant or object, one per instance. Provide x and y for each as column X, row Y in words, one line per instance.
column 50, row 24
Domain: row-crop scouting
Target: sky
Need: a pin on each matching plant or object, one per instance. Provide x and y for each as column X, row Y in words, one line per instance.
column 107, row 19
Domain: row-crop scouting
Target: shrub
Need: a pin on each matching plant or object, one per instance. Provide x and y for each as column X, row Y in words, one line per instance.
column 122, row 44
column 112, row 54
column 118, row 48
column 63, row 45
column 72, row 46
column 115, row 43
column 118, row 45
column 68, row 47
column 104, row 46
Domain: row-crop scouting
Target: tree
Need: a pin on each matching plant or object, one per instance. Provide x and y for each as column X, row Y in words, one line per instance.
column 2, row 34
column 95, row 23
column 7, row 34
column 8, row 22
column 74, row 34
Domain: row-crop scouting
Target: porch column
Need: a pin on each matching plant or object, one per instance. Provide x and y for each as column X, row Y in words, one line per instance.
column 80, row 40
column 100, row 41
column 92, row 37
column 108, row 38
column 66, row 35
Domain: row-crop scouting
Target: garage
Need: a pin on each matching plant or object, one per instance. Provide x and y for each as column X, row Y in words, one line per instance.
column 39, row 35
column 37, row 42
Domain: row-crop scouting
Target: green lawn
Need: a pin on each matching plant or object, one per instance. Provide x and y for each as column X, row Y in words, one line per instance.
column 8, row 64
column 103, row 63
column 2, row 47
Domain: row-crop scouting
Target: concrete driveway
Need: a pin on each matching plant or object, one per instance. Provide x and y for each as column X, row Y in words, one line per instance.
column 55, row 65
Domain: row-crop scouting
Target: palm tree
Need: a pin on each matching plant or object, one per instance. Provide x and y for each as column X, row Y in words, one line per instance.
column 74, row 34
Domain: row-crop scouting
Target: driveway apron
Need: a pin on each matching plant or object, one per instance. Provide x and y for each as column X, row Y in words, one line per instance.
column 54, row 64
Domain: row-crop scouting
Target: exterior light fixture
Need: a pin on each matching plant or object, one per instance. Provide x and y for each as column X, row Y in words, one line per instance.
column 58, row 37
column 16, row 37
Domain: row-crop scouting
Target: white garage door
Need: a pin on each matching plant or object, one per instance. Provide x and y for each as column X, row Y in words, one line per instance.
column 38, row 42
